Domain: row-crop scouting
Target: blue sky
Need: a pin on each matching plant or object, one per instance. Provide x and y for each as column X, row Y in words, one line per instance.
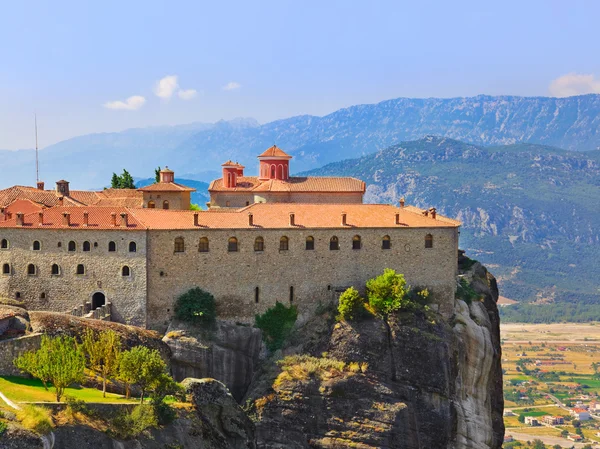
column 76, row 63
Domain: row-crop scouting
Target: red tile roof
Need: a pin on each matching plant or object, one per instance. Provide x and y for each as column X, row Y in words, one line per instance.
column 166, row 187
column 230, row 163
column 98, row 218
column 275, row 151
column 25, row 206
column 294, row 184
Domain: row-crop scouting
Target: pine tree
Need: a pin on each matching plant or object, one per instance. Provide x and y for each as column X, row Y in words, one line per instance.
column 157, row 174
column 115, row 182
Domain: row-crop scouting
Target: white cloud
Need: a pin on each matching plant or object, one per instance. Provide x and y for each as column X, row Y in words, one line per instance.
column 131, row 104
column 232, row 85
column 166, row 87
column 187, row 94
column 574, row 84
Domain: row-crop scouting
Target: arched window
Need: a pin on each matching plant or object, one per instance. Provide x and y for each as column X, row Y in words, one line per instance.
column 37, row 245
column 3, row 244
column 31, row 269
column 284, row 243
column 72, row 246
column 386, row 243
column 356, row 243
column 203, row 245
column 6, row 269
column 179, row 245
column 132, row 247
column 429, row 241
column 273, row 171
column 151, row 205
column 310, row 242
column 259, row 244
column 112, row 247
column 87, row 246
column 80, row 269
column 125, row 271
column 256, row 294
column 334, row 243
column 232, row 245
column 55, row 270
column 280, row 171
column 165, row 204
column 42, row 295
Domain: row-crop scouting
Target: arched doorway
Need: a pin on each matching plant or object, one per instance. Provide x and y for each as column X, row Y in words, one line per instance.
column 98, row 300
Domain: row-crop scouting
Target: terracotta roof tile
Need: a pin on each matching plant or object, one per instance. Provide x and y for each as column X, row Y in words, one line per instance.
column 98, row 218
column 23, row 205
column 294, row 184
column 166, row 187
column 275, row 151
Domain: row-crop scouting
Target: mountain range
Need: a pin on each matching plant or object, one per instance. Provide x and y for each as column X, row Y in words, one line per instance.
column 195, row 151
column 530, row 212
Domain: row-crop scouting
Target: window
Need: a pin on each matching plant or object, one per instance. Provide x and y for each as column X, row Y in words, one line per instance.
column 80, row 269
column 203, row 245
column 72, row 246
column 291, row 294
column 112, row 247
column 3, row 244
column 31, row 269
column 132, row 247
column 42, row 295
column 125, row 271
column 259, row 244
column 232, row 245
column 37, row 245
column 226, row 203
column 272, row 171
column 334, row 243
column 284, row 243
column 356, row 243
column 179, row 245
column 6, row 269
column 59, row 244
column 310, row 243
column 247, row 203
column 386, row 243
column 429, row 241
column 18, row 295
column 87, row 246
column 256, row 294
column 165, row 204
column 151, row 205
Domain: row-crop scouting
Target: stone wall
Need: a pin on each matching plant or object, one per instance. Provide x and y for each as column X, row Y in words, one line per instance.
column 315, row 276
column 13, row 348
column 68, row 290
column 177, row 200
column 241, row 199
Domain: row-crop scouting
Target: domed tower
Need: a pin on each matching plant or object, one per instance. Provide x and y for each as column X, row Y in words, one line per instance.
column 274, row 164
column 231, row 171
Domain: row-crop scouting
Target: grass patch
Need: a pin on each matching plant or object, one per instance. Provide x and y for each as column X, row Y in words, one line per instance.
column 304, row 367
column 36, row 419
column 20, row 389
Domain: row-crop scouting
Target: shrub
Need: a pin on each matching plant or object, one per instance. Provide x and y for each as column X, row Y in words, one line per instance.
column 465, row 292
column 276, row 324
column 36, row 419
column 130, row 425
column 3, row 427
column 351, row 306
column 196, row 306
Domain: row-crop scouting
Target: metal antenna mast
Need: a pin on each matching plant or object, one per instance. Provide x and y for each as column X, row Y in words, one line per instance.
column 37, row 165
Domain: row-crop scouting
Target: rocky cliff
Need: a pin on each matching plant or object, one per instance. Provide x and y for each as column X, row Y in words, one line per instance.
column 335, row 390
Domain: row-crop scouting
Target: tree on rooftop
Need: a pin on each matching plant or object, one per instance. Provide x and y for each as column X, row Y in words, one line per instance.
column 102, row 351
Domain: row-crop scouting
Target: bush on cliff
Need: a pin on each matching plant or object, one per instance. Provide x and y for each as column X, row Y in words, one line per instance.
column 196, row 306
column 276, row 324
column 351, row 305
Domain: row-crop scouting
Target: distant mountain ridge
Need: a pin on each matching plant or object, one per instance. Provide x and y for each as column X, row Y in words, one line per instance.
column 530, row 212
column 571, row 123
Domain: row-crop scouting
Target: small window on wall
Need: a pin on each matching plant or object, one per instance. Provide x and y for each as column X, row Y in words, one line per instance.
column 151, row 205
column 42, row 295
column 80, row 269
column 310, row 243
column 72, row 246
column 165, row 204
column 386, row 243
column 179, row 245
column 3, row 244
column 232, row 245
column 132, row 247
column 356, row 243
column 256, row 295
column 334, row 243
column 37, row 245
column 291, row 294
column 5, row 268
column 428, row 241
column 203, row 245
column 284, row 243
column 31, row 269
column 125, row 271
column 259, row 244
column 18, row 295
column 86, row 246
column 112, row 247
column 55, row 271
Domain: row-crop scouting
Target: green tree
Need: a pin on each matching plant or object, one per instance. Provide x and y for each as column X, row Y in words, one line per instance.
column 63, row 363
column 538, row 444
column 115, row 182
column 387, row 294
column 194, row 206
column 276, row 324
column 565, row 433
column 196, row 306
column 102, row 352
column 351, row 306
column 123, row 181
column 143, row 367
column 157, row 174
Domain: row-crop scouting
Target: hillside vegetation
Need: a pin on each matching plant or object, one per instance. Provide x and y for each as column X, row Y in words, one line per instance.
column 529, row 212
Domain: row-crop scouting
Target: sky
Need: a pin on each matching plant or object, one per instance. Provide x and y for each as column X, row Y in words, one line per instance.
column 86, row 67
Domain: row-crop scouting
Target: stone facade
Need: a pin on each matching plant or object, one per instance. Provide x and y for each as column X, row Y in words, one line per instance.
column 241, row 199
column 68, row 290
column 176, row 200
column 315, row 275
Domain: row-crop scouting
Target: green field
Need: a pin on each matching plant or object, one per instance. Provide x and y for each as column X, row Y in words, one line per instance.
column 18, row 389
